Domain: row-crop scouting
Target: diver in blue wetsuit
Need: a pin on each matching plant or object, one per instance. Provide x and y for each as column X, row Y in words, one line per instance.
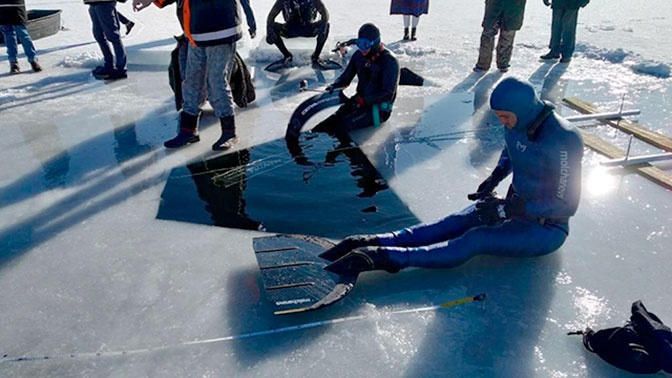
column 544, row 154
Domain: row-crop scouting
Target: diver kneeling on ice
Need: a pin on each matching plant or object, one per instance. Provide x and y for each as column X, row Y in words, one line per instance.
column 544, row 154
column 377, row 70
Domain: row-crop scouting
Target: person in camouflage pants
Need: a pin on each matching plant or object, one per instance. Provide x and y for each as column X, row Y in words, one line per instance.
column 503, row 17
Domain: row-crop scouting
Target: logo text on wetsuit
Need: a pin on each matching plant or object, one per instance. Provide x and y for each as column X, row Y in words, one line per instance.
column 564, row 174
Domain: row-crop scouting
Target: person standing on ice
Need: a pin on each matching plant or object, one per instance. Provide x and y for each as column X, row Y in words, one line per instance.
column 377, row 71
column 13, row 21
column 411, row 10
column 212, row 28
column 300, row 21
column 563, row 28
column 503, row 17
column 105, row 22
column 544, row 154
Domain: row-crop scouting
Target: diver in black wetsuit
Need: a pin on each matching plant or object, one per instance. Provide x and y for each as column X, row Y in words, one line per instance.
column 300, row 21
column 378, row 73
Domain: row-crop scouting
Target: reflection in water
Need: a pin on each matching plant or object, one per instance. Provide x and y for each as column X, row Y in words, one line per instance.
column 45, row 143
column 318, row 186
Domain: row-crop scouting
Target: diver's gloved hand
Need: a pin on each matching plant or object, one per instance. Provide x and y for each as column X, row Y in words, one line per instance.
column 487, row 187
column 493, row 210
column 348, row 244
column 362, row 260
column 358, row 101
column 253, row 32
column 485, row 190
column 329, row 89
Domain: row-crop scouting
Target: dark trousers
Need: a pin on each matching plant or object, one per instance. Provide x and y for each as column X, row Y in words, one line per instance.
column 504, row 47
column 318, row 29
column 347, row 118
column 106, row 31
column 563, row 31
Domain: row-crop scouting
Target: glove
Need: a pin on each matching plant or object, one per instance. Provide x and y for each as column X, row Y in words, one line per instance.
column 493, row 210
column 348, row 244
column 253, row 33
column 329, row 89
column 547, row 2
column 358, row 101
column 488, row 186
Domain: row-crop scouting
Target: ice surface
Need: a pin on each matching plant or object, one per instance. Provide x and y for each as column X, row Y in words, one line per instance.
column 87, row 271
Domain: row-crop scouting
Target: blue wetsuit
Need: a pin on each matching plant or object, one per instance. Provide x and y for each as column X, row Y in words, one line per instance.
column 546, row 175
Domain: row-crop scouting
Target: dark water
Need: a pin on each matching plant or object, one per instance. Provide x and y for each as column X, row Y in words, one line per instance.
column 324, row 187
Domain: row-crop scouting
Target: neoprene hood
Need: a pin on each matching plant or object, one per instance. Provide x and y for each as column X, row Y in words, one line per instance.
column 517, row 96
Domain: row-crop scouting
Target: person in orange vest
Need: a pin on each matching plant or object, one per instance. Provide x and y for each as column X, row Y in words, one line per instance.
column 212, row 28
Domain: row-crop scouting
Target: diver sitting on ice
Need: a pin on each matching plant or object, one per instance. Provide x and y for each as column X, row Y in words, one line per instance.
column 378, row 73
column 300, row 21
column 544, row 154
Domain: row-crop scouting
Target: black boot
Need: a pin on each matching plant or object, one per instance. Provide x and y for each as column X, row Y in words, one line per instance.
column 362, row 260
column 406, row 37
column 14, row 68
column 35, row 66
column 347, row 245
column 228, row 138
column 188, row 132
column 413, row 30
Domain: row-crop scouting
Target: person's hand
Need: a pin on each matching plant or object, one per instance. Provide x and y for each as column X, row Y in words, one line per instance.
column 358, row 101
column 139, row 5
column 329, row 89
column 253, row 33
column 485, row 190
column 493, row 210
column 547, row 2
column 348, row 244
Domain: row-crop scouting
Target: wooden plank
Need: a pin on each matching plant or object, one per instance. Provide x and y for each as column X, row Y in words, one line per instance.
column 603, row 147
column 656, row 139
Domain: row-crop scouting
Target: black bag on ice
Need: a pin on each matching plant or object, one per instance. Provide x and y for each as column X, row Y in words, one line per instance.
column 642, row 346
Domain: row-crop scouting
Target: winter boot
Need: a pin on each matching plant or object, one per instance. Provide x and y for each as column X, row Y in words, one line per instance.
column 413, row 30
column 188, row 132
column 348, row 245
column 36, row 66
column 362, row 260
column 550, row 56
column 406, row 37
column 228, row 138
column 14, row 68
column 129, row 27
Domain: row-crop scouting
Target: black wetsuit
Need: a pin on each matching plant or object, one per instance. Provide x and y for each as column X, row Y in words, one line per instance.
column 378, row 75
column 301, row 20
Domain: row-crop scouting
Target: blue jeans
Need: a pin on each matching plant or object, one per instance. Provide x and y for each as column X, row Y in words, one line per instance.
column 457, row 238
column 11, row 33
column 211, row 65
column 106, row 29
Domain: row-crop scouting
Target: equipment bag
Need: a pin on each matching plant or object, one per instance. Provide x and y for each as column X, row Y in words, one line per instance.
column 642, row 346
